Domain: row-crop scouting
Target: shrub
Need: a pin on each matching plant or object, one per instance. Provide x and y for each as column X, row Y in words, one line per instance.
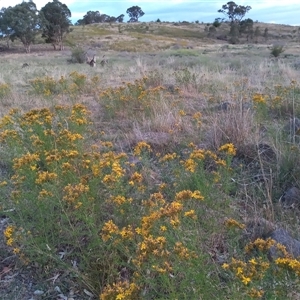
column 4, row 90
column 276, row 50
column 217, row 23
column 132, row 239
column 257, row 275
column 78, row 55
column 71, row 85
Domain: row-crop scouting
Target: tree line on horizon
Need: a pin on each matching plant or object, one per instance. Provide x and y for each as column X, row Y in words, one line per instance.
column 23, row 21
column 91, row 17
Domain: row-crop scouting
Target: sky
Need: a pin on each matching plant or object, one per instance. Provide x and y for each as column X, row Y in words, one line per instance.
column 268, row 11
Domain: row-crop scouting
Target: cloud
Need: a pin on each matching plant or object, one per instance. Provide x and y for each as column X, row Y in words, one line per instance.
column 39, row 3
column 192, row 10
column 283, row 12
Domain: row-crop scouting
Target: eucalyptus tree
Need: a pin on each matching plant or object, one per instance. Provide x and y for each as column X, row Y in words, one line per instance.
column 246, row 27
column 56, row 23
column 23, row 22
column 120, row 18
column 92, row 17
column 134, row 12
column 234, row 12
column 5, row 30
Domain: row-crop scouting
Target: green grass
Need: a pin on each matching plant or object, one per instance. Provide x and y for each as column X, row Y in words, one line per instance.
column 179, row 33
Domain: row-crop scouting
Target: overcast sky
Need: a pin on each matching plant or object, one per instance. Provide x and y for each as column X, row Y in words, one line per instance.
column 268, row 11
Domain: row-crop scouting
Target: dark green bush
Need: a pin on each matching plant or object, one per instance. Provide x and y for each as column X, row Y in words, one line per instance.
column 78, row 55
column 276, row 50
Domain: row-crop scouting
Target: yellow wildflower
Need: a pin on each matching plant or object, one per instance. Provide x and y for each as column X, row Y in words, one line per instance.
column 233, row 223
column 191, row 214
column 228, row 148
column 246, row 280
column 259, row 98
column 140, row 146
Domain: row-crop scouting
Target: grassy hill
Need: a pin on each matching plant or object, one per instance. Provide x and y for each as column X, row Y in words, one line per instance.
column 158, row 36
column 155, row 175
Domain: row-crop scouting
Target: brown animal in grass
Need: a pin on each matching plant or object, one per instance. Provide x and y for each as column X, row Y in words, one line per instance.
column 91, row 62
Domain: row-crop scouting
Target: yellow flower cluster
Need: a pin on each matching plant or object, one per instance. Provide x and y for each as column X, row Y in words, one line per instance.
column 119, row 200
column 183, row 252
column 147, row 223
column 79, row 114
column 57, row 168
column 164, row 269
column 151, row 244
column 78, row 79
column 190, row 165
column 121, row 290
column 44, row 86
column 44, row 193
column 107, row 144
column 196, row 117
column 259, row 98
column 234, row 223
column 289, row 263
column 167, row 157
column 8, row 233
column 52, row 156
column 70, row 154
column 3, row 183
column 256, row 294
column 217, row 176
column 6, row 134
column 170, row 213
column 141, row 146
column 45, row 176
column 182, row 113
column 6, row 120
column 133, row 97
column 191, row 214
column 37, row 125
column 108, row 166
column 37, row 116
column 259, row 267
column 74, row 83
column 13, row 237
column 72, row 193
column 36, row 141
column 260, row 244
column 116, row 173
column 197, row 156
column 110, row 230
column 27, row 159
column 187, row 195
column 135, row 178
column 127, row 233
column 229, row 149
column 246, row 272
